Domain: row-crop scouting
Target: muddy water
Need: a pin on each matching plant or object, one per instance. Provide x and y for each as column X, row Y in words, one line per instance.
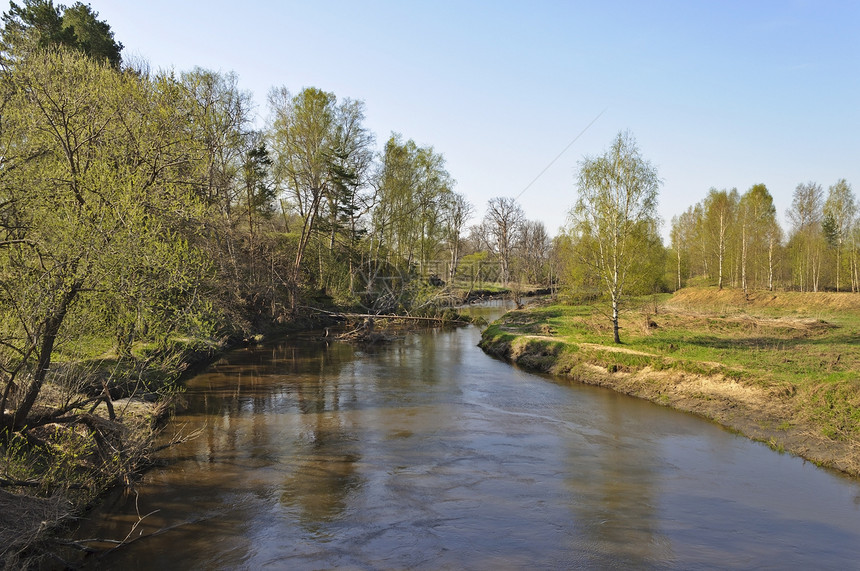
column 427, row 454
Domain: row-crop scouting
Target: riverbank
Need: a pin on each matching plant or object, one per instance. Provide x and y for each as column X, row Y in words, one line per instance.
column 53, row 473
column 780, row 368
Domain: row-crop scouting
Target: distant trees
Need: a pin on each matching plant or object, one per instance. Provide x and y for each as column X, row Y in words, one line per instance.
column 502, row 227
column 759, row 237
column 458, row 211
column 840, row 211
column 806, row 242
column 728, row 237
column 614, row 220
column 533, row 248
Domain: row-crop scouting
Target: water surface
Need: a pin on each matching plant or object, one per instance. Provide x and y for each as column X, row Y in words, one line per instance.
column 427, row 454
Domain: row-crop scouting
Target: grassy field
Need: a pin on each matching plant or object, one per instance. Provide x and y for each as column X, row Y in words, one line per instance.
column 781, row 367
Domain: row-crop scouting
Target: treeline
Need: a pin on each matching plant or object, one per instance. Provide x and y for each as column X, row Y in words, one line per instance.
column 733, row 239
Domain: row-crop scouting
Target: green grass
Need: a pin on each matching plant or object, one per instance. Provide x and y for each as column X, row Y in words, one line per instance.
column 788, row 343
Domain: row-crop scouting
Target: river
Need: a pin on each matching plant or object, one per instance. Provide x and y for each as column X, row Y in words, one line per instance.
column 428, row 454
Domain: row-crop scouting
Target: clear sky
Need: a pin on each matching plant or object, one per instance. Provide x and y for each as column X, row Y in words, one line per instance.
column 717, row 93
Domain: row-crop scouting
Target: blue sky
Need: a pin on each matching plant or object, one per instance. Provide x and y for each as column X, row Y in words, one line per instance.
column 717, row 93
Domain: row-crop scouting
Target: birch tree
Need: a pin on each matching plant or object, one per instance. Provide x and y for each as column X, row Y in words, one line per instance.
column 720, row 209
column 806, row 214
column 840, row 210
column 756, row 215
column 458, row 210
column 311, row 140
column 612, row 218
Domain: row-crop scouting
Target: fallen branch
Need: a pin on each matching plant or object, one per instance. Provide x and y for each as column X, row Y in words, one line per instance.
column 343, row 315
column 6, row 483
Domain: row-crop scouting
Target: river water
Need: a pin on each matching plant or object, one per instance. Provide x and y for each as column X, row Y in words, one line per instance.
column 428, row 454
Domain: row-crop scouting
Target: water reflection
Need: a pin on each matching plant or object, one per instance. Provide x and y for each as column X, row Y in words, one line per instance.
column 427, row 454
column 616, row 488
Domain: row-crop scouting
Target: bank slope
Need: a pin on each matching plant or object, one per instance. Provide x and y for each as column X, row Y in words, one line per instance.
column 773, row 370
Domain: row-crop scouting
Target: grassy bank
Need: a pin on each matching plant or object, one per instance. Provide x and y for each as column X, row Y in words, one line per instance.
column 782, row 368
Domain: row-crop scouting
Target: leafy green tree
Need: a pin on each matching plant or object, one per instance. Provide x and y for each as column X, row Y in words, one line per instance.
column 301, row 138
column 806, row 241
column 757, row 217
column 394, row 220
column 839, row 211
column 92, row 219
column 720, row 213
column 39, row 24
column 414, row 193
column 613, row 216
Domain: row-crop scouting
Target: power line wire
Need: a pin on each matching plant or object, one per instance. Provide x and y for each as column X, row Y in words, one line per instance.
column 552, row 162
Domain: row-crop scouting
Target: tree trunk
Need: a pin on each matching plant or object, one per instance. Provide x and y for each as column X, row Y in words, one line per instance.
column 744, row 258
column 770, row 267
column 51, row 326
column 615, row 334
column 720, row 279
column 838, row 263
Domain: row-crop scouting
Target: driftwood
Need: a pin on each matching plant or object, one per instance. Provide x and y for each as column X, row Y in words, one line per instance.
column 394, row 317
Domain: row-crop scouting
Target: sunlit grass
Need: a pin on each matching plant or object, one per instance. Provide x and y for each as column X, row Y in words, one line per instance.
column 790, row 343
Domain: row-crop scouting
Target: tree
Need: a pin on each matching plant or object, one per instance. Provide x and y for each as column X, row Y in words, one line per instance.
column 458, row 211
column 350, row 162
column 757, row 216
column 806, row 242
column 720, row 211
column 91, row 219
column 533, row 248
column 412, row 201
column 839, row 212
column 218, row 121
column 502, row 224
column 219, row 116
column 612, row 218
column 94, row 37
column 301, row 138
column 39, row 24
column 683, row 237
column 322, row 157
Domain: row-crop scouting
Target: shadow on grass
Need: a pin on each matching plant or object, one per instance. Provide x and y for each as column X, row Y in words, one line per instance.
column 766, row 342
